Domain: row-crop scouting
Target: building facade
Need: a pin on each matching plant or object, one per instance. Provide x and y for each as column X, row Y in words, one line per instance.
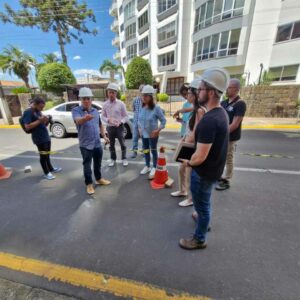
column 182, row 38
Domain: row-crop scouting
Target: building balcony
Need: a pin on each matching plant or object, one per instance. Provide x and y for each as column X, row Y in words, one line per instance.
column 113, row 11
column 116, row 41
column 115, row 26
column 117, row 56
column 167, row 13
column 141, row 4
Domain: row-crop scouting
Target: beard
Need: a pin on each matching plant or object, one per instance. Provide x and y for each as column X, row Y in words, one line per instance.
column 203, row 100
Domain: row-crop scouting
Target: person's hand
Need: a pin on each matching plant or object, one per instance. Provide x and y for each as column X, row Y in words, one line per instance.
column 43, row 119
column 88, row 117
column 176, row 115
column 106, row 140
column 185, row 162
column 155, row 133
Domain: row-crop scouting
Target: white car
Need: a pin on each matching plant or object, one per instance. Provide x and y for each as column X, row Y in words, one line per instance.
column 62, row 122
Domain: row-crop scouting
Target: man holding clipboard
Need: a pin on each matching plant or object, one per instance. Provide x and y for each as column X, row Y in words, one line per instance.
column 208, row 160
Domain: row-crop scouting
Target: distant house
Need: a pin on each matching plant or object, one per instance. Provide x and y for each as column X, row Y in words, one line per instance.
column 8, row 85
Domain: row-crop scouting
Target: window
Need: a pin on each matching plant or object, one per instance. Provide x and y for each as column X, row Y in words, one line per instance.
column 284, row 73
column 61, row 108
column 121, row 9
column 284, row 33
column 218, row 45
column 122, row 27
column 143, row 44
column 164, row 5
column 123, row 45
column 70, row 106
column 166, row 32
column 296, row 31
column 131, row 52
column 143, row 19
column 166, row 59
column 129, row 10
column 214, row 11
column 173, row 85
column 130, row 32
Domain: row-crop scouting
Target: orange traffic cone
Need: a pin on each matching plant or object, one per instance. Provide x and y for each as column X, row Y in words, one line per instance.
column 161, row 174
column 4, row 173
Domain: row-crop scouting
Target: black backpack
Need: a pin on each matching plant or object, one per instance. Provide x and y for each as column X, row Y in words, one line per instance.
column 21, row 121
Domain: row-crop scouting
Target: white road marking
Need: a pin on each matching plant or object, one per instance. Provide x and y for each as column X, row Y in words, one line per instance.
column 241, row 169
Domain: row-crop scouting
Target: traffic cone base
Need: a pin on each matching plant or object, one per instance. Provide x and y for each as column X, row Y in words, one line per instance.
column 4, row 173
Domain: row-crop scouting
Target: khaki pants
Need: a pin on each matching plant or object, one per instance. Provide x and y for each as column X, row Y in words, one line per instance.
column 229, row 160
column 184, row 176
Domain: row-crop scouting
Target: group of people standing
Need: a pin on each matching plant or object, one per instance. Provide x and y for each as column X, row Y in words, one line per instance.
column 214, row 127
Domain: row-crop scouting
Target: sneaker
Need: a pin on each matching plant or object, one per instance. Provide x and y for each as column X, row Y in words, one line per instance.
column 192, row 244
column 56, row 170
column 134, row 155
column 186, row 203
column 49, row 176
column 125, row 162
column 179, row 194
column 152, row 173
column 145, row 170
column 223, row 185
column 90, row 189
column 103, row 181
column 111, row 163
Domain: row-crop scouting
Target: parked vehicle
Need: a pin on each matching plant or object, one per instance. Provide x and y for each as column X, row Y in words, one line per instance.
column 62, row 122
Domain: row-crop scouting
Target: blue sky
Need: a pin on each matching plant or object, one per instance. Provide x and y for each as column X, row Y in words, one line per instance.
column 81, row 58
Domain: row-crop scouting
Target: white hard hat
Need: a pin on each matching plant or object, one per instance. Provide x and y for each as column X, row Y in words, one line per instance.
column 112, row 86
column 85, row 92
column 195, row 83
column 217, row 78
column 148, row 89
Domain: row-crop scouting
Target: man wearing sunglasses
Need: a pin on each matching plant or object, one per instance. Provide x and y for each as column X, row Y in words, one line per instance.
column 89, row 125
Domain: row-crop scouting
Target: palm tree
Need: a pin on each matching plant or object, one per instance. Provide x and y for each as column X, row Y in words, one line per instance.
column 14, row 60
column 109, row 66
column 50, row 58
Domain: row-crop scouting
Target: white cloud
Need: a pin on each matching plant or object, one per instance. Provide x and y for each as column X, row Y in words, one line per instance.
column 77, row 57
column 84, row 72
column 57, row 54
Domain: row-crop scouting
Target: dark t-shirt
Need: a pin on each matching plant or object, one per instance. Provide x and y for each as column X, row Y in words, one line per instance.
column 237, row 108
column 40, row 133
column 213, row 129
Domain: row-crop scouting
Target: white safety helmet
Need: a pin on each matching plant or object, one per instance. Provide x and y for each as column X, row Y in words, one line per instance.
column 218, row 78
column 113, row 86
column 195, row 83
column 148, row 90
column 85, row 92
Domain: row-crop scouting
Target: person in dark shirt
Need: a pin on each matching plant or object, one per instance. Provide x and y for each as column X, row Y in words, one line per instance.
column 208, row 161
column 36, row 122
column 236, row 109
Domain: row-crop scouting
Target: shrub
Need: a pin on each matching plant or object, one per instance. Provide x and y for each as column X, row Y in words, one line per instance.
column 52, row 76
column 138, row 72
column 162, row 97
column 52, row 103
column 123, row 98
column 21, row 90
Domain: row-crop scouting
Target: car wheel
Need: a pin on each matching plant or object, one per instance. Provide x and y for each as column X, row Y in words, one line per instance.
column 58, row 130
column 127, row 132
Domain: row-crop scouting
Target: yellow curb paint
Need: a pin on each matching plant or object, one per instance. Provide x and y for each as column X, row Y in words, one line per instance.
column 91, row 280
column 267, row 126
column 9, row 126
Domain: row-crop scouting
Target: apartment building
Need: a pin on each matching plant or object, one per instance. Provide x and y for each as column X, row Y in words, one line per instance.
column 182, row 38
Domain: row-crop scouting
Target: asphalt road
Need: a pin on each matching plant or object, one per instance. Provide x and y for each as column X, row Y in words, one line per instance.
column 130, row 231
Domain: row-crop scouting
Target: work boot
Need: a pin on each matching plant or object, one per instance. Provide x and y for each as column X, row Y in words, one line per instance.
column 103, row 181
column 223, row 185
column 192, row 244
column 90, row 189
column 195, row 218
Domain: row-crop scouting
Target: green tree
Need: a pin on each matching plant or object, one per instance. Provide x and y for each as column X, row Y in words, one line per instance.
column 138, row 72
column 111, row 68
column 50, row 58
column 14, row 60
column 67, row 18
column 52, row 76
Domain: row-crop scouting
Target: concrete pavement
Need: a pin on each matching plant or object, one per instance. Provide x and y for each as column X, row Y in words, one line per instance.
column 131, row 232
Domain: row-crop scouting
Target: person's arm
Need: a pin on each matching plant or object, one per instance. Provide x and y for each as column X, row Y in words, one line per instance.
column 182, row 111
column 78, row 119
column 163, row 121
column 104, row 115
column 124, row 113
column 240, row 110
column 29, row 125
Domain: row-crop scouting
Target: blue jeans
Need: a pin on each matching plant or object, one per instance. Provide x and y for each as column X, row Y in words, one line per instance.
column 201, row 189
column 89, row 155
column 135, row 137
column 150, row 144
